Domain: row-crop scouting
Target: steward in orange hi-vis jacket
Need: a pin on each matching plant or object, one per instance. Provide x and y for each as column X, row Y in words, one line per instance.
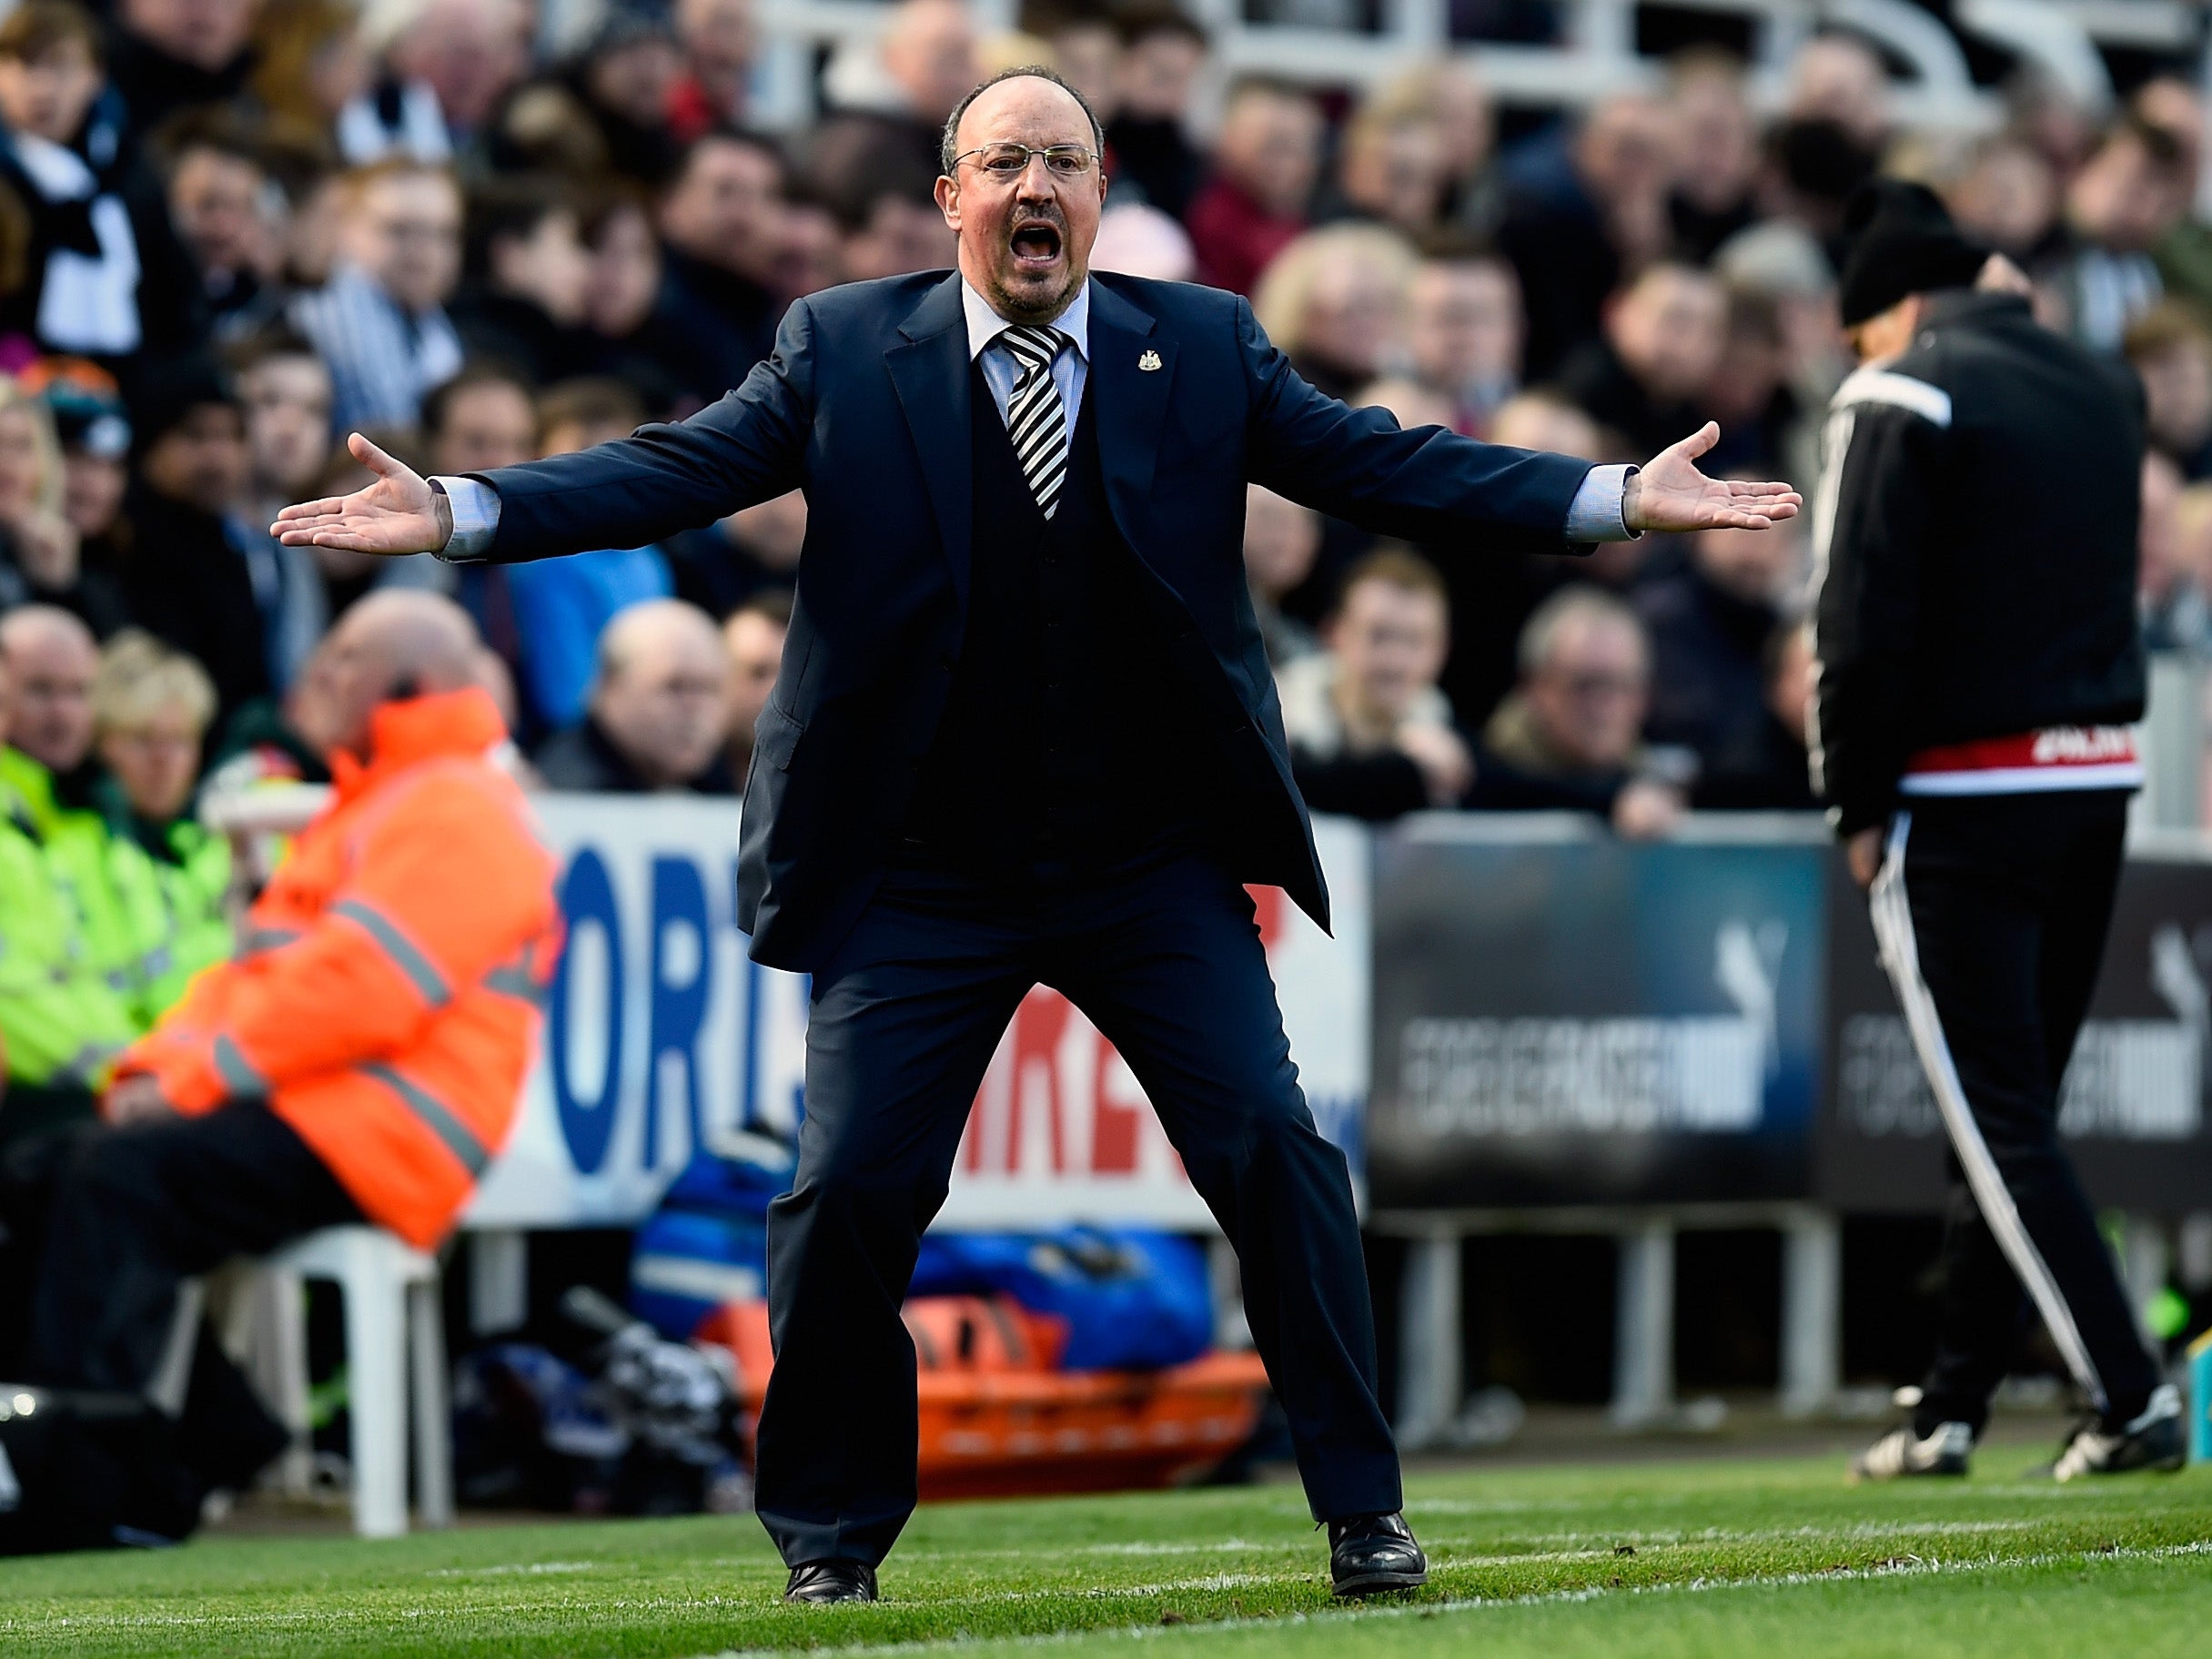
column 385, row 1004
column 360, row 1060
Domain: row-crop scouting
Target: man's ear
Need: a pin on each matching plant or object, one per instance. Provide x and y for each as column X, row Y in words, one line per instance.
column 948, row 199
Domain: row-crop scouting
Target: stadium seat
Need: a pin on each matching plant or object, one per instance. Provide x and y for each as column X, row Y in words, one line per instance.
column 391, row 1299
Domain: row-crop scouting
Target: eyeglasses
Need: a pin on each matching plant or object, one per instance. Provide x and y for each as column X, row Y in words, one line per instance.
column 1009, row 161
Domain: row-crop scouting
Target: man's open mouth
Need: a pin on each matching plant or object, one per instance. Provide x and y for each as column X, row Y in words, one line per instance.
column 1036, row 245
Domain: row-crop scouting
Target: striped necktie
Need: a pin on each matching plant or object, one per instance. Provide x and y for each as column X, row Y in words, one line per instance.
column 1036, row 418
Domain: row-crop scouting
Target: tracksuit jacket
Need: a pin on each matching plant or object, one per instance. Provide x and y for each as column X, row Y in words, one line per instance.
column 1975, row 543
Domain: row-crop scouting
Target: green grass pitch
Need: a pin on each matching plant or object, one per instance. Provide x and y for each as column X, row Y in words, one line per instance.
column 1713, row 1558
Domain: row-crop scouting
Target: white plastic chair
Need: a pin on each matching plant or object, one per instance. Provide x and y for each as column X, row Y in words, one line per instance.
column 391, row 1299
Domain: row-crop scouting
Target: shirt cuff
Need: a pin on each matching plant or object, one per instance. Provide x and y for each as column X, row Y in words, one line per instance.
column 476, row 519
column 1594, row 515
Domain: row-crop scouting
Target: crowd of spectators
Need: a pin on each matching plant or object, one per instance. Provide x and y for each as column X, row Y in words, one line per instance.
column 232, row 232
column 1603, row 285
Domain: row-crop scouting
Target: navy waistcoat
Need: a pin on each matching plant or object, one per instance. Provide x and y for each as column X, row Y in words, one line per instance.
column 1068, row 736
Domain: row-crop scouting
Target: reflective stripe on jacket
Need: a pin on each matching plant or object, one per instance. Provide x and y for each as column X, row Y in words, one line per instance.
column 386, row 1004
column 168, row 904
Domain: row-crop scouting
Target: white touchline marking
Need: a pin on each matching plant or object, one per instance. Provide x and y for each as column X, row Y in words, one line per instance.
column 1593, row 1547
column 323, row 1613
column 1563, row 1542
column 1104, row 1593
column 1221, row 1546
column 513, row 1566
column 1912, row 1568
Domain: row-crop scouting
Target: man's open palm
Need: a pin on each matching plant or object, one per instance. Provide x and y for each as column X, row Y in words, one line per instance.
column 396, row 513
column 1671, row 495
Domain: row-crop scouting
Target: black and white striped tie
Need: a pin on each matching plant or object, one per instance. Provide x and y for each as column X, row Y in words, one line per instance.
column 1036, row 418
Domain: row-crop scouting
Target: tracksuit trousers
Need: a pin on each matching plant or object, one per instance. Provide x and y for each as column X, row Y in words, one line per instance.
column 1992, row 913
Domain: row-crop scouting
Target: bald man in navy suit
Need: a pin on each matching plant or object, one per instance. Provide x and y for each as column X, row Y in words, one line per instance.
column 1025, row 732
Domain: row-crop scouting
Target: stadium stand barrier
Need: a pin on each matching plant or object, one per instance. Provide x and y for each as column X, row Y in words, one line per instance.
column 1522, row 1024
column 1596, row 55
column 1729, row 1062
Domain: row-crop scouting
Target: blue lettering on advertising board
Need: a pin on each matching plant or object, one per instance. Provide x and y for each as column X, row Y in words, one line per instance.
column 677, row 1009
column 587, row 1124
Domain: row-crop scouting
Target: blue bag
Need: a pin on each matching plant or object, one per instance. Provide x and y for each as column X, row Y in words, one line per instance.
column 1133, row 1299
column 708, row 1242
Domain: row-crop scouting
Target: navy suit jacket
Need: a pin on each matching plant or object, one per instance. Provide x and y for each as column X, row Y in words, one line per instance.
column 864, row 406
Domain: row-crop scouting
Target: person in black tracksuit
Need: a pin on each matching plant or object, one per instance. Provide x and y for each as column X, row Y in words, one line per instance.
column 1979, row 665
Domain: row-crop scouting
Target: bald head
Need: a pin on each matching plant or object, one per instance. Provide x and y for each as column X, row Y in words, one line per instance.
column 40, row 628
column 929, row 49
column 661, row 691
column 651, row 631
column 50, row 659
column 395, row 645
column 422, row 637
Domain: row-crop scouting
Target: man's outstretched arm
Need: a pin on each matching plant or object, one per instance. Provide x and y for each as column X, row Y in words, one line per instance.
column 745, row 449
column 1435, row 487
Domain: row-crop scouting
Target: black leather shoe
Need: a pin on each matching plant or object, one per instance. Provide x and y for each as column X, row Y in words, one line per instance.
column 822, row 1581
column 1368, row 1554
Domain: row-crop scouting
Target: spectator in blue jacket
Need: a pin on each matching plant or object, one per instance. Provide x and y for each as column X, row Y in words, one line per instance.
column 561, row 604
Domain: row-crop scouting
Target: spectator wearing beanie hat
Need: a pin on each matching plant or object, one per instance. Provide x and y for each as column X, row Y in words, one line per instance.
column 1903, row 243
column 91, row 425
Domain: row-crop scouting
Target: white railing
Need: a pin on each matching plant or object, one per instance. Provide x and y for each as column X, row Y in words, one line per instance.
column 2058, row 37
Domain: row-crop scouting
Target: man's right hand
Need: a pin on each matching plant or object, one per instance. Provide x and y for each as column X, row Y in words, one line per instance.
column 398, row 513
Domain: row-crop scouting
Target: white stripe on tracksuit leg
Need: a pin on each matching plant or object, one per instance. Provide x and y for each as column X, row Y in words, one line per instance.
column 1892, row 919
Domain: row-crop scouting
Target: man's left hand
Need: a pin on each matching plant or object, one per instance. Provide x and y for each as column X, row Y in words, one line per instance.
column 136, row 1098
column 1671, row 495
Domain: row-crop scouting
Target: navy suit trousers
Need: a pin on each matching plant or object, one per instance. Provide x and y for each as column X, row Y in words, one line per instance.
column 1163, row 955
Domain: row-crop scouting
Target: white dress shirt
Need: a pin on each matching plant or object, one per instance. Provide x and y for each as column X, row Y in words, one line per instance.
column 1070, row 371
column 1594, row 514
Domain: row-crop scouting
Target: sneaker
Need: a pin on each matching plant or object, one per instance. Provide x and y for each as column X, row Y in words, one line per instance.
column 1902, row 1452
column 2153, row 1439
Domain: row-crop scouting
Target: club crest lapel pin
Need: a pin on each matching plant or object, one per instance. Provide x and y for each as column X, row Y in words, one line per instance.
column 1148, row 362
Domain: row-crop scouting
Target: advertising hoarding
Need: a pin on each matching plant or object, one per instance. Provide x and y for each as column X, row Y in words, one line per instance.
column 1564, row 1017
column 660, row 1033
column 2132, row 1107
